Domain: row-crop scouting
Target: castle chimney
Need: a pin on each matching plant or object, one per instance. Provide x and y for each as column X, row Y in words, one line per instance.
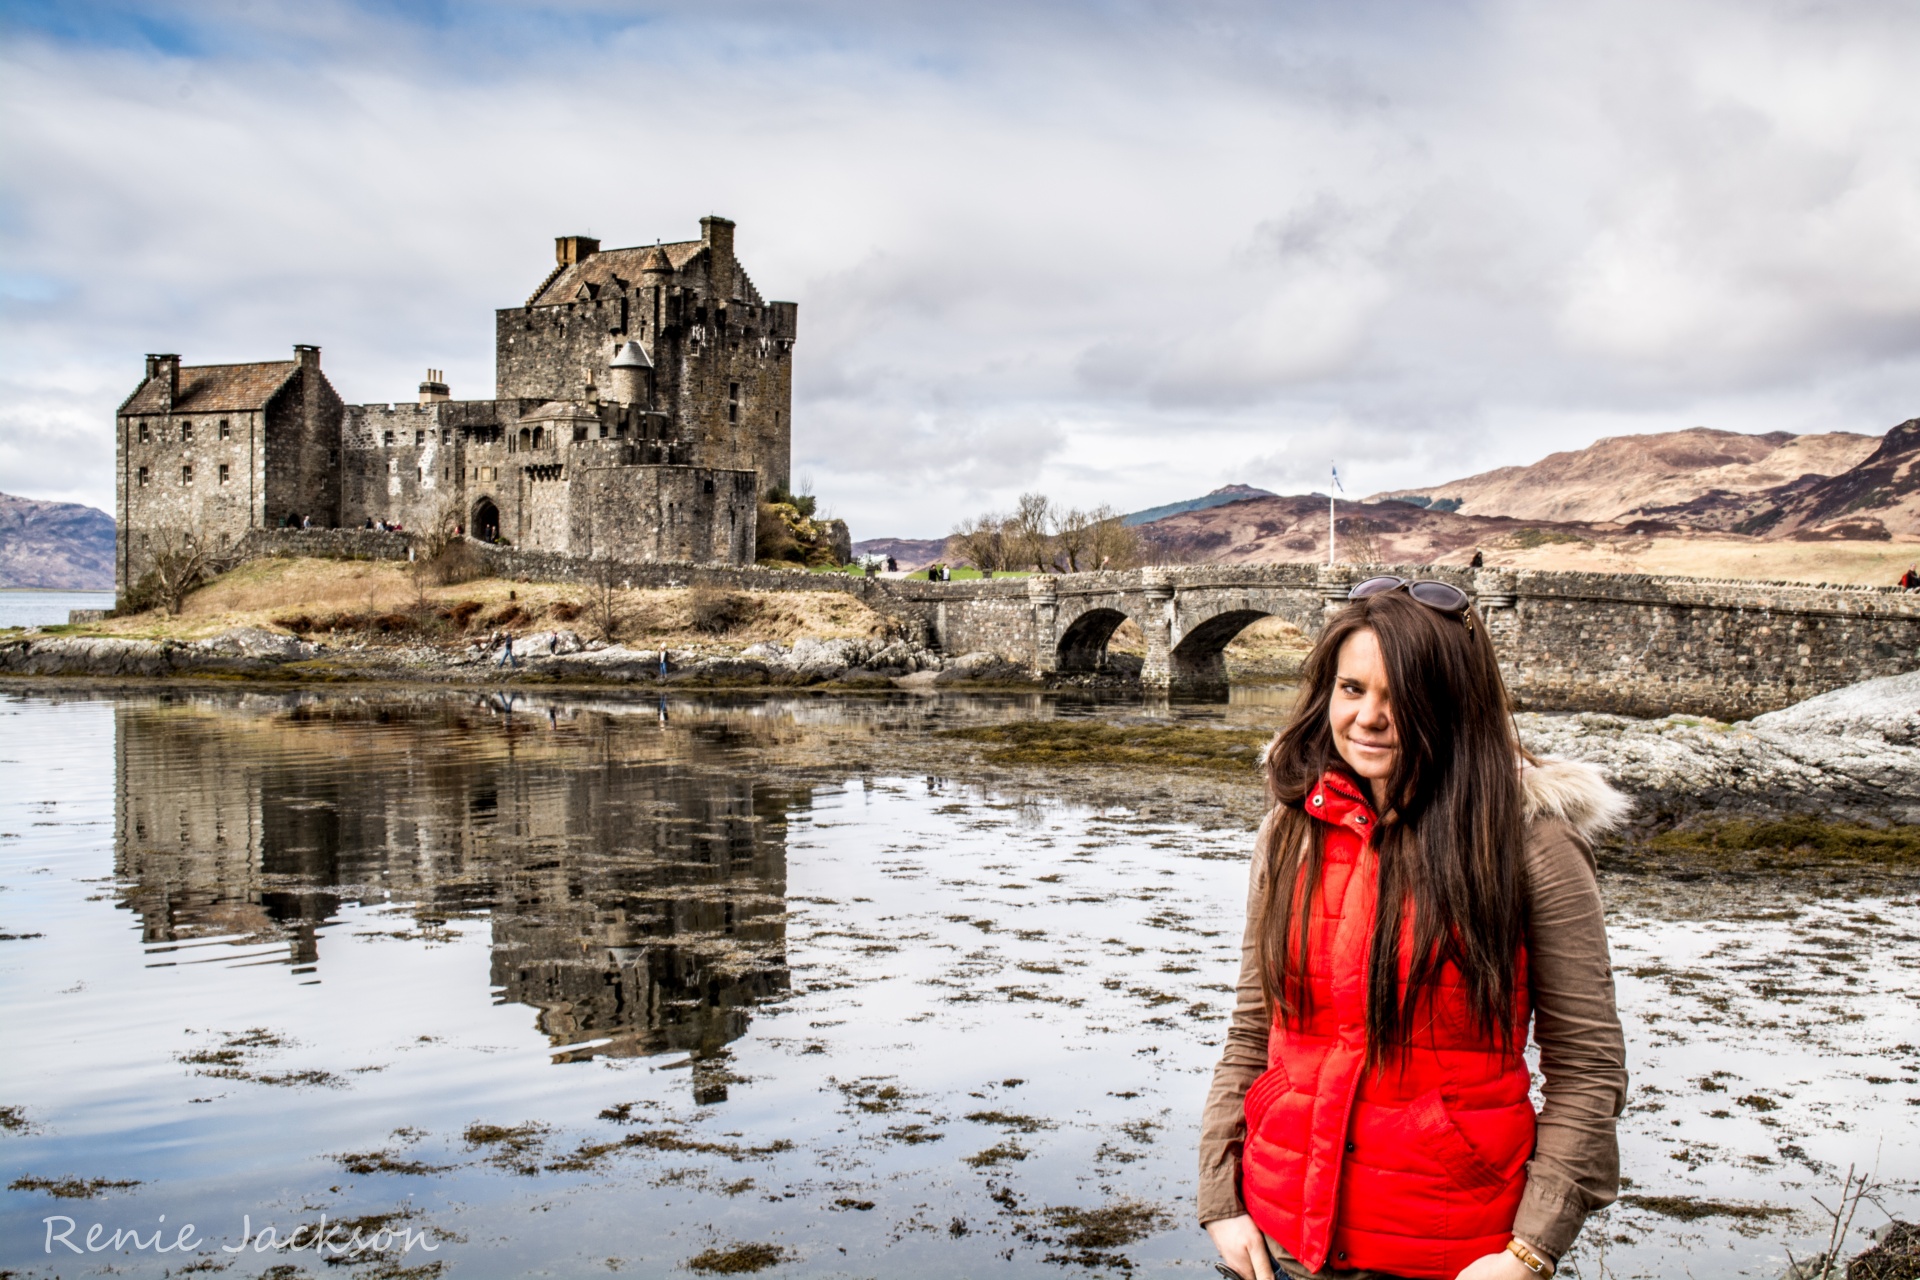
column 306, row 356
column 167, row 368
column 568, row 250
column 630, row 375
column 717, row 234
column 434, row 389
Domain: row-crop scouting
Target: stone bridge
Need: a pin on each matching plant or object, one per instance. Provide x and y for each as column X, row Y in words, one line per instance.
column 1631, row 643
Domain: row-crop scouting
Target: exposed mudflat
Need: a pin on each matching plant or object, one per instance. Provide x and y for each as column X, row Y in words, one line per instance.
column 519, row 983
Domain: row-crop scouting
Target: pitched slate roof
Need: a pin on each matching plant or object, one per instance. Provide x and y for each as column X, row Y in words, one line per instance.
column 215, row 388
column 601, row 269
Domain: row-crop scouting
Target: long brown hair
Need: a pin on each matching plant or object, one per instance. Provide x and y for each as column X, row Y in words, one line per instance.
column 1449, row 843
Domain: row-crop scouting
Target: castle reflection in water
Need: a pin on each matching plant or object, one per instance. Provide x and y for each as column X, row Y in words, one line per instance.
column 632, row 871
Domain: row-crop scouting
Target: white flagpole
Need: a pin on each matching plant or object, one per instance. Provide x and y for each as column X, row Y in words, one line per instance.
column 1330, row 488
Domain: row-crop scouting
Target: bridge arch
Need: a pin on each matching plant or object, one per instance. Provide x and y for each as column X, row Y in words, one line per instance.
column 1082, row 646
column 1198, row 663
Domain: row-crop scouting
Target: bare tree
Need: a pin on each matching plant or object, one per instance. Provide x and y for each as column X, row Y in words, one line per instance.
column 1030, row 533
column 180, row 562
column 1110, row 543
column 437, row 531
column 980, row 541
column 604, row 607
column 1362, row 537
column 1074, row 537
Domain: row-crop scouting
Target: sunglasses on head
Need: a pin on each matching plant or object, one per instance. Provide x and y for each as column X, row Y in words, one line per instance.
column 1442, row 597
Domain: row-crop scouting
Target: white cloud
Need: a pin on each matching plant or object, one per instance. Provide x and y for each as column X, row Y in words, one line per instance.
column 1123, row 254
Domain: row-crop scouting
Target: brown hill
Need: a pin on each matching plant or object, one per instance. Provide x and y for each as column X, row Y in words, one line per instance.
column 55, row 545
column 1624, row 477
column 1878, row 498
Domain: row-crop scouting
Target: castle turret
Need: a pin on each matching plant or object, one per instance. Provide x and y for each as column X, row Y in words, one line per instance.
column 630, row 376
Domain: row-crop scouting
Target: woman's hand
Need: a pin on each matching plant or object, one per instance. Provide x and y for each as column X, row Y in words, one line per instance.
column 1496, row 1266
column 1243, row 1248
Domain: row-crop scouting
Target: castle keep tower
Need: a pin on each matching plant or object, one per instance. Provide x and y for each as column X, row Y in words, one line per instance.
column 643, row 404
column 721, row 355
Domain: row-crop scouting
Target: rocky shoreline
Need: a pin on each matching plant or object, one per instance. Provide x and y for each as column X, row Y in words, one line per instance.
column 1851, row 755
column 559, row 656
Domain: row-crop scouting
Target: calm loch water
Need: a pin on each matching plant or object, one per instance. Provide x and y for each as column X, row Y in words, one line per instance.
column 570, row 986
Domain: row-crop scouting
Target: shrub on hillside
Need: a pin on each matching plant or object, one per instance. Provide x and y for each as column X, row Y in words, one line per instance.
column 717, row 612
column 456, row 562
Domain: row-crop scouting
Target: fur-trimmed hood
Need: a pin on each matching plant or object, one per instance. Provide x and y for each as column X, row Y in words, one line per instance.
column 1574, row 792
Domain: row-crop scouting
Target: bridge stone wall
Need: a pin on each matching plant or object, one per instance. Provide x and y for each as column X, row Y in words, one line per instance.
column 1644, row 645
column 1628, row 643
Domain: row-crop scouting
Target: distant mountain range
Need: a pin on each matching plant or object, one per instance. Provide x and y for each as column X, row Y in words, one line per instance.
column 55, row 545
column 1810, row 488
column 1833, row 485
column 1218, row 498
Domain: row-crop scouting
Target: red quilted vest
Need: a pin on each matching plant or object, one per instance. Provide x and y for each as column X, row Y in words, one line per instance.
column 1416, row 1168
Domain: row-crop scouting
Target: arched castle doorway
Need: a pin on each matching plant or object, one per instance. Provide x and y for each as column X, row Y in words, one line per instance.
column 486, row 520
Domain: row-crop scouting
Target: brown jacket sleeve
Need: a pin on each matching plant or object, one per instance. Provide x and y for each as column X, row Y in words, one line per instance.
column 1223, row 1124
column 1576, row 1161
column 1583, row 1055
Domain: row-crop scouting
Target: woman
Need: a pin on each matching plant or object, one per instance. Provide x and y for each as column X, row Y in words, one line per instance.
column 1421, row 892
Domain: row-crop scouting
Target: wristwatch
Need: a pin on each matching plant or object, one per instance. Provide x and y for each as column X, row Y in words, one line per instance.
column 1528, row 1258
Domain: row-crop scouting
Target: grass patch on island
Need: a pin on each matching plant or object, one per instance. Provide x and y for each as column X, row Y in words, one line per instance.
column 1790, row 842
column 1151, row 746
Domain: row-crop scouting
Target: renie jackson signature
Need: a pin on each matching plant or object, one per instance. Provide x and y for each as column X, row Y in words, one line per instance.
column 316, row 1236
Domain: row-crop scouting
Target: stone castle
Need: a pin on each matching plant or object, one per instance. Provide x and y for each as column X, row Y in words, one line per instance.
column 642, row 404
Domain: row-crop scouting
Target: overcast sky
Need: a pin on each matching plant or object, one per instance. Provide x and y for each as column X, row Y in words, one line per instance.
column 1119, row 252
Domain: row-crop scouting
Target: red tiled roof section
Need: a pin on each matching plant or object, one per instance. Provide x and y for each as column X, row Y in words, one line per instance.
column 600, row 268
column 216, row 388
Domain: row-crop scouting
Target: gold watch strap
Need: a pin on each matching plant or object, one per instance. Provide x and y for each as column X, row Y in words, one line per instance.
column 1528, row 1258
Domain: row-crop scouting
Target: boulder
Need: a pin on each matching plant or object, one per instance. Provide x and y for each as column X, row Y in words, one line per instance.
column 1887, row 708
column 1683, row 764
column 981, row 665
column 257, row 642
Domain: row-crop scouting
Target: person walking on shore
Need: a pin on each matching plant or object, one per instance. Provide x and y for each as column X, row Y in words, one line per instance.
column 1423, row 892
column 506, row 658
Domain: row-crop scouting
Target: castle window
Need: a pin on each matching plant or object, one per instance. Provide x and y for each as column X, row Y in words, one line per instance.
column 579, row 433
column 224, row 432
column 389, row 439
column 186, row 433
column 143, row 433
column 419, row 437
column 143, row 477
column 333, row 457
column 709, row 486
column 733, row 413
column 186, row 474
column 603, row 431
column 733, row 391
column 446, row 436
column 224, row 473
